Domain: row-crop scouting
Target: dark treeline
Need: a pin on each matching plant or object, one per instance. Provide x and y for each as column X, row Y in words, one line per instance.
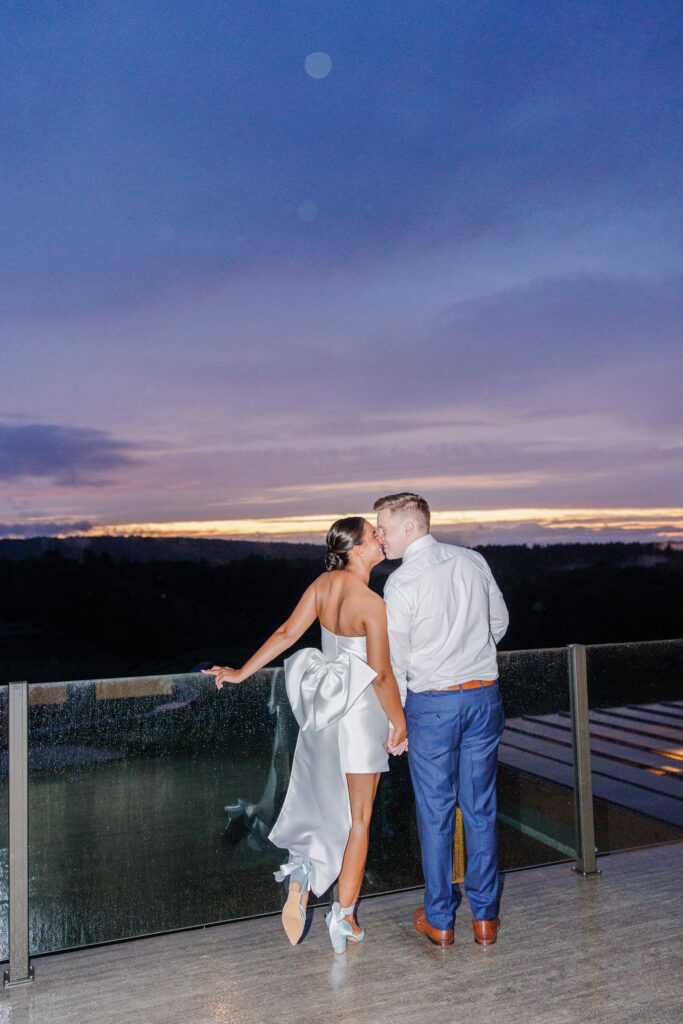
column 72, row 612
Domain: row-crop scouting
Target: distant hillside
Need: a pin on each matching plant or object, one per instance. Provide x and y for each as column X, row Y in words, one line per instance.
column 220, row 552
column 116, row 606
column 161, row 549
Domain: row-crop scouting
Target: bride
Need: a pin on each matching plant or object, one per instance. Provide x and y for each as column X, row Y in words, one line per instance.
column 346, row 701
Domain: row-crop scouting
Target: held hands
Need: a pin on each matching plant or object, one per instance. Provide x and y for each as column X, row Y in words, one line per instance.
column 397, row 740
column 223, row 675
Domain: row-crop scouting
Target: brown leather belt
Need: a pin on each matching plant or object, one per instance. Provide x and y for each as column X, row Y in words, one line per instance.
column 471, row 684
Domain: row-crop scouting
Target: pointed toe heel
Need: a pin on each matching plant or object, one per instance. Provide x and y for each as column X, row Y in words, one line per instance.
column 294, row 910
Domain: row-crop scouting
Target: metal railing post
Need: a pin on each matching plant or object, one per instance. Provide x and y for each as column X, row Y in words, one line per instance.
column 20, row 970
column 586, row 863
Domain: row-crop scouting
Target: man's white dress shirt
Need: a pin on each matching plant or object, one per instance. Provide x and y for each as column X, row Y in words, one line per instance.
column 445, row 615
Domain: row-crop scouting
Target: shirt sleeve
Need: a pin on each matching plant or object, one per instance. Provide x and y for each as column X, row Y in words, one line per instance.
column 399, row 625
column 499, row 618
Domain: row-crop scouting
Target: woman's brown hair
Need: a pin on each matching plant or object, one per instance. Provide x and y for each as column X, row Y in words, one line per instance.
column 342, row 537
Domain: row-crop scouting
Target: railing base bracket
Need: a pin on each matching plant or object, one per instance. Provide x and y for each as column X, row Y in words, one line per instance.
column 6, row 983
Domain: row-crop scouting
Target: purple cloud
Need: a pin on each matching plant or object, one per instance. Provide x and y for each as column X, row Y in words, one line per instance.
column 71, row 456
column 44, row 528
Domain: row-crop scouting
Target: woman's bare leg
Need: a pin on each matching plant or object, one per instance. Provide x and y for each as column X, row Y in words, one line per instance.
column 362, row 790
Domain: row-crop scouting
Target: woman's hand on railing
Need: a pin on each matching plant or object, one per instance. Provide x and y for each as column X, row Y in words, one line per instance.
column 222, row 674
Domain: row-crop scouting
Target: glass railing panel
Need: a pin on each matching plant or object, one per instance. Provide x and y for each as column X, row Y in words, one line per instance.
column 535, row 764
column 150, row 799
column 4, row 826
column 128, row 780
column 635, row 694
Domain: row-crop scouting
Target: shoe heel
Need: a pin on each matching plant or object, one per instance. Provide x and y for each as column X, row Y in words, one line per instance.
column 337, row 936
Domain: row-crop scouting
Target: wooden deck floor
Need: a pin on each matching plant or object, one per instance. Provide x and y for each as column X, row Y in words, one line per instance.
column 573, row 950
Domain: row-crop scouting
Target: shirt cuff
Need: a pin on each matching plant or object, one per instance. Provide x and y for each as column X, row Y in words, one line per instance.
column 402, row 691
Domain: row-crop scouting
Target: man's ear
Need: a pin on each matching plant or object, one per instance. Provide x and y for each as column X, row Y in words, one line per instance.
column 409, row 527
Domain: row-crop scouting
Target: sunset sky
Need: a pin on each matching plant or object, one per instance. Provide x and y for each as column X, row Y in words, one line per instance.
column 263, row 262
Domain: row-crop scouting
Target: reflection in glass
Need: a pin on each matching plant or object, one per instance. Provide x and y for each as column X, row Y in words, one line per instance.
column 635, row 694
column 128, row 780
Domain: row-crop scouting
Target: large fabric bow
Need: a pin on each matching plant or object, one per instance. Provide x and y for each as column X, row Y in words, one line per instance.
column 321, row 691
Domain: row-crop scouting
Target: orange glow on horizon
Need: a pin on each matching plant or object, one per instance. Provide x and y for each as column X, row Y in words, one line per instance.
column 667, row 521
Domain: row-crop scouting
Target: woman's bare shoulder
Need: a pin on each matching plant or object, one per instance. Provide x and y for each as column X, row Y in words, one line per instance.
column 325, row 577
column 327, row 584
column 372, row 605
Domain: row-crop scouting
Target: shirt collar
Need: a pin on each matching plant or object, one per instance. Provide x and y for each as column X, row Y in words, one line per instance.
column 417, row 545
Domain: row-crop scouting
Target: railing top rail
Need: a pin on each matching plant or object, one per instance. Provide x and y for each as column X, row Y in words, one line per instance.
column 198, row 677
column 638, row 643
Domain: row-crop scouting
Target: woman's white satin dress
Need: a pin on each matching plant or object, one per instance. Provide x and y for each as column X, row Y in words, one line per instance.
column 342, row 728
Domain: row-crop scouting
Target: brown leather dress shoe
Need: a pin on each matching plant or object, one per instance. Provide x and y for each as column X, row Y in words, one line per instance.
column 486, row 932
column 439, row 936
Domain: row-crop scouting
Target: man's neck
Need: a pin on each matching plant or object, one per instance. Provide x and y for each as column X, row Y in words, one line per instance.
column 414, row 541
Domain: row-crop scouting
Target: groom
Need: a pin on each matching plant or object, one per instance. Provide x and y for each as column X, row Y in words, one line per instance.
column 445, row 615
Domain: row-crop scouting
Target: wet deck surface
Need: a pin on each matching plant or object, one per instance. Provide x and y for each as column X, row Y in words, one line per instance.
column 572, row 951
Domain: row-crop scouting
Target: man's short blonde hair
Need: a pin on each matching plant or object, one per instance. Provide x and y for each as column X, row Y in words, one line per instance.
column 407, row 505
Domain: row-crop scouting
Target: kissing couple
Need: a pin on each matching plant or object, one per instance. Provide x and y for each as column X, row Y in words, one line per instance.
column 414, row 672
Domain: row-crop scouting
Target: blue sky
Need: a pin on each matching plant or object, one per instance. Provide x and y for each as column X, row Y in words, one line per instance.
column 233, row 291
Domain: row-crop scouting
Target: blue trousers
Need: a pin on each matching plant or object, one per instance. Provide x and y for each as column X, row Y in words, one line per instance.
column 453, row 756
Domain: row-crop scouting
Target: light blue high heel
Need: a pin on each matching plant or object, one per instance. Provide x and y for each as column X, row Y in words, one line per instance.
column 298, row 869
column 341, row 931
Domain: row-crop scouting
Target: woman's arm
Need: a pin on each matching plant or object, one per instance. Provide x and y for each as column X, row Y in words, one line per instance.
column 386, row 687
column 303, row 616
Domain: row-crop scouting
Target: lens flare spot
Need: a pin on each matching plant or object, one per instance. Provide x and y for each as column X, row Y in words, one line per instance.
column 307, row 210
column 318, row 64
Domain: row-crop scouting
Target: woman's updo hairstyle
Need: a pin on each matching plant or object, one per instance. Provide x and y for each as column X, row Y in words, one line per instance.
column 342, row 537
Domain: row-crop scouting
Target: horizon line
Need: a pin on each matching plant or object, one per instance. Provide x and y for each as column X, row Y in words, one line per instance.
column 665, row 523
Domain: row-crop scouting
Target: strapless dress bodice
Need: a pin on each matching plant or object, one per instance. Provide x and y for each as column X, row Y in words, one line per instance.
column 333, row 644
